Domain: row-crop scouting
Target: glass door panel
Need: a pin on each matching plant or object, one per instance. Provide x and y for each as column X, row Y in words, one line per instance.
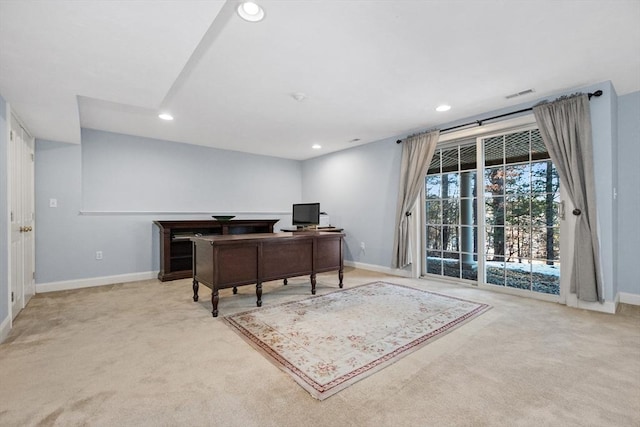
column 451, row 213
column 522, row 229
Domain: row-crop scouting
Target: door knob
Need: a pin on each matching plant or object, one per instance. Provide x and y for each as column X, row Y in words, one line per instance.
column 23, row 229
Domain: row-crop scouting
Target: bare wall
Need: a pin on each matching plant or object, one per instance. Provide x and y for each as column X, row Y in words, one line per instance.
column 628, row 192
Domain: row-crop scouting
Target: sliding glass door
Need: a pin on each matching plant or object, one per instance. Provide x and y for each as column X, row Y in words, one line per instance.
column 508, row 233
column 451, row 212
column 522, row 231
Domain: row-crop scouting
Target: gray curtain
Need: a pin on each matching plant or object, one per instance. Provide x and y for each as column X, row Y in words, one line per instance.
column 417, row 152
column 565, row 126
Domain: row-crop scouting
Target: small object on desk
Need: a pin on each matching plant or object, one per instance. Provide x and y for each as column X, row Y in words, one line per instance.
column 223, row 217
column 324, row 220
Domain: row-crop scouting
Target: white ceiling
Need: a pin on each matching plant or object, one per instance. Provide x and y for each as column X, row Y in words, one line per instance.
column 370, row 69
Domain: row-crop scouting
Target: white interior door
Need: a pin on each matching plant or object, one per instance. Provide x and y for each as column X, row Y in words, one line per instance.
column 15, row 182
column 21, row 189
column 28, row 211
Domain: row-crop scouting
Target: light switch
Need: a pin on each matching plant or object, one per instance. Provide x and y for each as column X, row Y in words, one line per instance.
column 53, row 203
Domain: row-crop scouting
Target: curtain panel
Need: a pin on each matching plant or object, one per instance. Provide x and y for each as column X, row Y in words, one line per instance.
column 417, row 152
column 565, row 127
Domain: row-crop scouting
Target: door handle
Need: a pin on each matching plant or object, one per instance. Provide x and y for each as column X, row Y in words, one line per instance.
column 561, row 211
column 23, row 229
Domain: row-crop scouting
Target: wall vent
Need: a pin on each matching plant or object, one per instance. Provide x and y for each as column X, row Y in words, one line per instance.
column 524, row 92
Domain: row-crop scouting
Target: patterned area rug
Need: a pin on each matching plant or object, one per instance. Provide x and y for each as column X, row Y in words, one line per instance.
column 329, row 342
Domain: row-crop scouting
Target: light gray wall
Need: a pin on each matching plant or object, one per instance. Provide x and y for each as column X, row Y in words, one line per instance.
column 358, row 189
column 603, row 125
column 66, row 239
column 129, row 173
column 359, row 186
column 4, row 208
column 628, row 192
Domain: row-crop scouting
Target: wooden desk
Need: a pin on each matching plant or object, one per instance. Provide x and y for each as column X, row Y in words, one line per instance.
column 229, row 261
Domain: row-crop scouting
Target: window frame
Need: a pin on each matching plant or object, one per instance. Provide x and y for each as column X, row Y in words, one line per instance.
column 526, row 122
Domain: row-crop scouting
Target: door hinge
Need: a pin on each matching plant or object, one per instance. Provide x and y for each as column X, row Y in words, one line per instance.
column 12, row 298
column 33, row 276
column 32, row 157
column 11, row 135
column 11, row 216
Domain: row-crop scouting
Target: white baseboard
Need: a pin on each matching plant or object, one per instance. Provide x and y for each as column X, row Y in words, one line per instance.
column 5, row 328
column 378, row 268
column 94, row 281
column 605, row 307
column 629, row 298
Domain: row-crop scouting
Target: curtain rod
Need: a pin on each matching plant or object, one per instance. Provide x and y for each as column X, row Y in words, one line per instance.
column 479, row 122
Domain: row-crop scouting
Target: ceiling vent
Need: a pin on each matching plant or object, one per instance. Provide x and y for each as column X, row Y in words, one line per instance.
column 524, row 92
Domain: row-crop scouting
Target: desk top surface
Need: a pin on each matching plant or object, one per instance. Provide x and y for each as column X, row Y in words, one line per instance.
column 212, row 222
column 266, row 236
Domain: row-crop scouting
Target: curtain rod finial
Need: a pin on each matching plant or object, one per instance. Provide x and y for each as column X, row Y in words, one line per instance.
column 596, row 94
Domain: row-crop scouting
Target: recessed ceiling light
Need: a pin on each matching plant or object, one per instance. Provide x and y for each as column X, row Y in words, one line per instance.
column 443, row 107
column 316, row 146
column 165, row 116
column 250, row 11
column 299, row 96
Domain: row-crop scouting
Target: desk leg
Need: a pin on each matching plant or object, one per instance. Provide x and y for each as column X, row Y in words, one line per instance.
column 195, row 290
column 313, row 284
column 259, row 294
column 214, row 301
column 340, row 276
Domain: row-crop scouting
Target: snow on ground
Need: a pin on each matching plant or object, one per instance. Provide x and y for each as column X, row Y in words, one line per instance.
column 549, row 270
column 536, row 267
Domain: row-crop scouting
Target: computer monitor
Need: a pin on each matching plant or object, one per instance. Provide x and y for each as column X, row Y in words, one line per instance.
column 305, row 214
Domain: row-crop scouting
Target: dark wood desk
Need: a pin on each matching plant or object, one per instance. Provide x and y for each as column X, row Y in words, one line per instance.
column 221, row 262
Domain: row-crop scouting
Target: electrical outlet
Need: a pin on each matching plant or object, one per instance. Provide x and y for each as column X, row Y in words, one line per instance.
column 362, row 245
column 98, row 255
column 53, row 203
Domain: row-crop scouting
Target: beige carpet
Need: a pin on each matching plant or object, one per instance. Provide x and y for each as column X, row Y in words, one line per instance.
column 144, row 354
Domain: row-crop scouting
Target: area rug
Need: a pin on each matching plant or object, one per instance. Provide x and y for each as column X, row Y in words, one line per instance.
column 329, row 342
